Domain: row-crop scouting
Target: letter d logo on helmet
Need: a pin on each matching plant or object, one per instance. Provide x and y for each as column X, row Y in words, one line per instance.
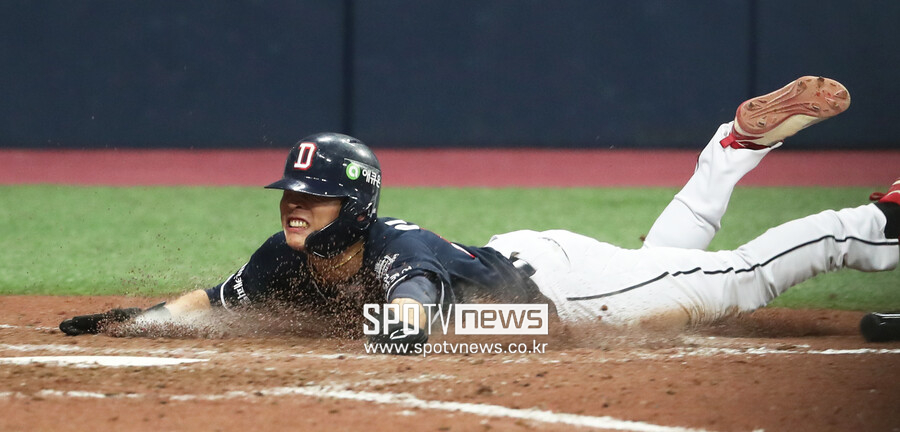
column 335, row 165
column 305, row 153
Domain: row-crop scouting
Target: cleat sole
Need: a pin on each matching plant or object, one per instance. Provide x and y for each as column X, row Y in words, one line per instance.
column 805, row 101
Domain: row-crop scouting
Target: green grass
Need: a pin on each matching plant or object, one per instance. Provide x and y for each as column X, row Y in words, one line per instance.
column 67, row 240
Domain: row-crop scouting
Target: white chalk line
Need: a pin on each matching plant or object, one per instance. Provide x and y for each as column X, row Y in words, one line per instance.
column 403, row 400
column 77, row 394
column 630, row 354
column 40, row 347
column 406, row 400
column 90, row 361
column 423, row 378
column 762, row 351
column 7, row 326
column 106, row 351
column 677, row 353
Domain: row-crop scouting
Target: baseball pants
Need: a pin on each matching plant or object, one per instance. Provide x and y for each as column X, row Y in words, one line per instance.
column 673, row 280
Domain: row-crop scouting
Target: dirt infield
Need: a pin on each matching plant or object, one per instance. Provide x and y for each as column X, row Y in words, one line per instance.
column 772, row 370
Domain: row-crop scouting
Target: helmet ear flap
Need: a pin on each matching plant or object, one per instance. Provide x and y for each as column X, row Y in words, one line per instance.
column 349, row 227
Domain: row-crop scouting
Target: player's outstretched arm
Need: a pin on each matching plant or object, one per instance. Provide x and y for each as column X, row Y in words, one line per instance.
column 194, row 301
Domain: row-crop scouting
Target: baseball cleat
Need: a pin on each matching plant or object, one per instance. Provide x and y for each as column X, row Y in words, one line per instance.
column 766, row 120
column 892, row 195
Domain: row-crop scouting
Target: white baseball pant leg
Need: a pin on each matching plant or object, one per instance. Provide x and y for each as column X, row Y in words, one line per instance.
column 672, row 281
column 695, row 214
column 590, row 280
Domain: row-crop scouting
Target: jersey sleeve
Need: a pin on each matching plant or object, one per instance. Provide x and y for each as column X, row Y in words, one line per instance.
column 271, row 270
column 419, row 288
column 410, row 266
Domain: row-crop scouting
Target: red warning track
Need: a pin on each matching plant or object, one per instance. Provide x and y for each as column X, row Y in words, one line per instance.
column 449, row 168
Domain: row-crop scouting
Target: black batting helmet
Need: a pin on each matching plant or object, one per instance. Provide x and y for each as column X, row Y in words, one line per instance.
column 335, row 165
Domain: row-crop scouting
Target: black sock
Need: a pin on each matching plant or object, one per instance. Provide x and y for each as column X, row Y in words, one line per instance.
column 892, row 213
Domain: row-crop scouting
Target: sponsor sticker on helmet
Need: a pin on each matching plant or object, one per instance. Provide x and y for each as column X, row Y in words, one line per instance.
column 355, row 170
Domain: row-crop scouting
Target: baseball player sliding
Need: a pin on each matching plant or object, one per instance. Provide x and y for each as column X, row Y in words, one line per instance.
column 335, row 254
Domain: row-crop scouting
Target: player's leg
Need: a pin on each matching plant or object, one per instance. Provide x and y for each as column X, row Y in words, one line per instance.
column 694, row 216
column 594, row 281
column 693, row 286
column 799, row 250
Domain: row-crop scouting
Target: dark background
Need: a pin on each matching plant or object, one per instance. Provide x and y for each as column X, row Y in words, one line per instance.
column 418, row 73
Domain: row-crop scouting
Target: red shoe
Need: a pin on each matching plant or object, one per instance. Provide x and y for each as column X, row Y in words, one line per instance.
column 765, row 120
column 892, row 195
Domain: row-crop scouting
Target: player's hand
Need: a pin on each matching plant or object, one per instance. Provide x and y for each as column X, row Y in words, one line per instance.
column 398, row 334
column 95, row 323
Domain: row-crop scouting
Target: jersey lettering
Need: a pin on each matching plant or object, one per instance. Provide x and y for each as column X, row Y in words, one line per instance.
column 305, row 157
column 402, row 225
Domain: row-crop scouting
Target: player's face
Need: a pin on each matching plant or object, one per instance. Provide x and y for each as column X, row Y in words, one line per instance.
column 301, row 214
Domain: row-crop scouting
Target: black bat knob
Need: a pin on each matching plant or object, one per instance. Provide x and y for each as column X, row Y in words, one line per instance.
column 880, row 327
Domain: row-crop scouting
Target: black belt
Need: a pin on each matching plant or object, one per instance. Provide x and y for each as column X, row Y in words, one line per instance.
column 533, row 292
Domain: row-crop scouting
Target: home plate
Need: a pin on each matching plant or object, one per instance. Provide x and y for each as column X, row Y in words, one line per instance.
column 87, row 361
